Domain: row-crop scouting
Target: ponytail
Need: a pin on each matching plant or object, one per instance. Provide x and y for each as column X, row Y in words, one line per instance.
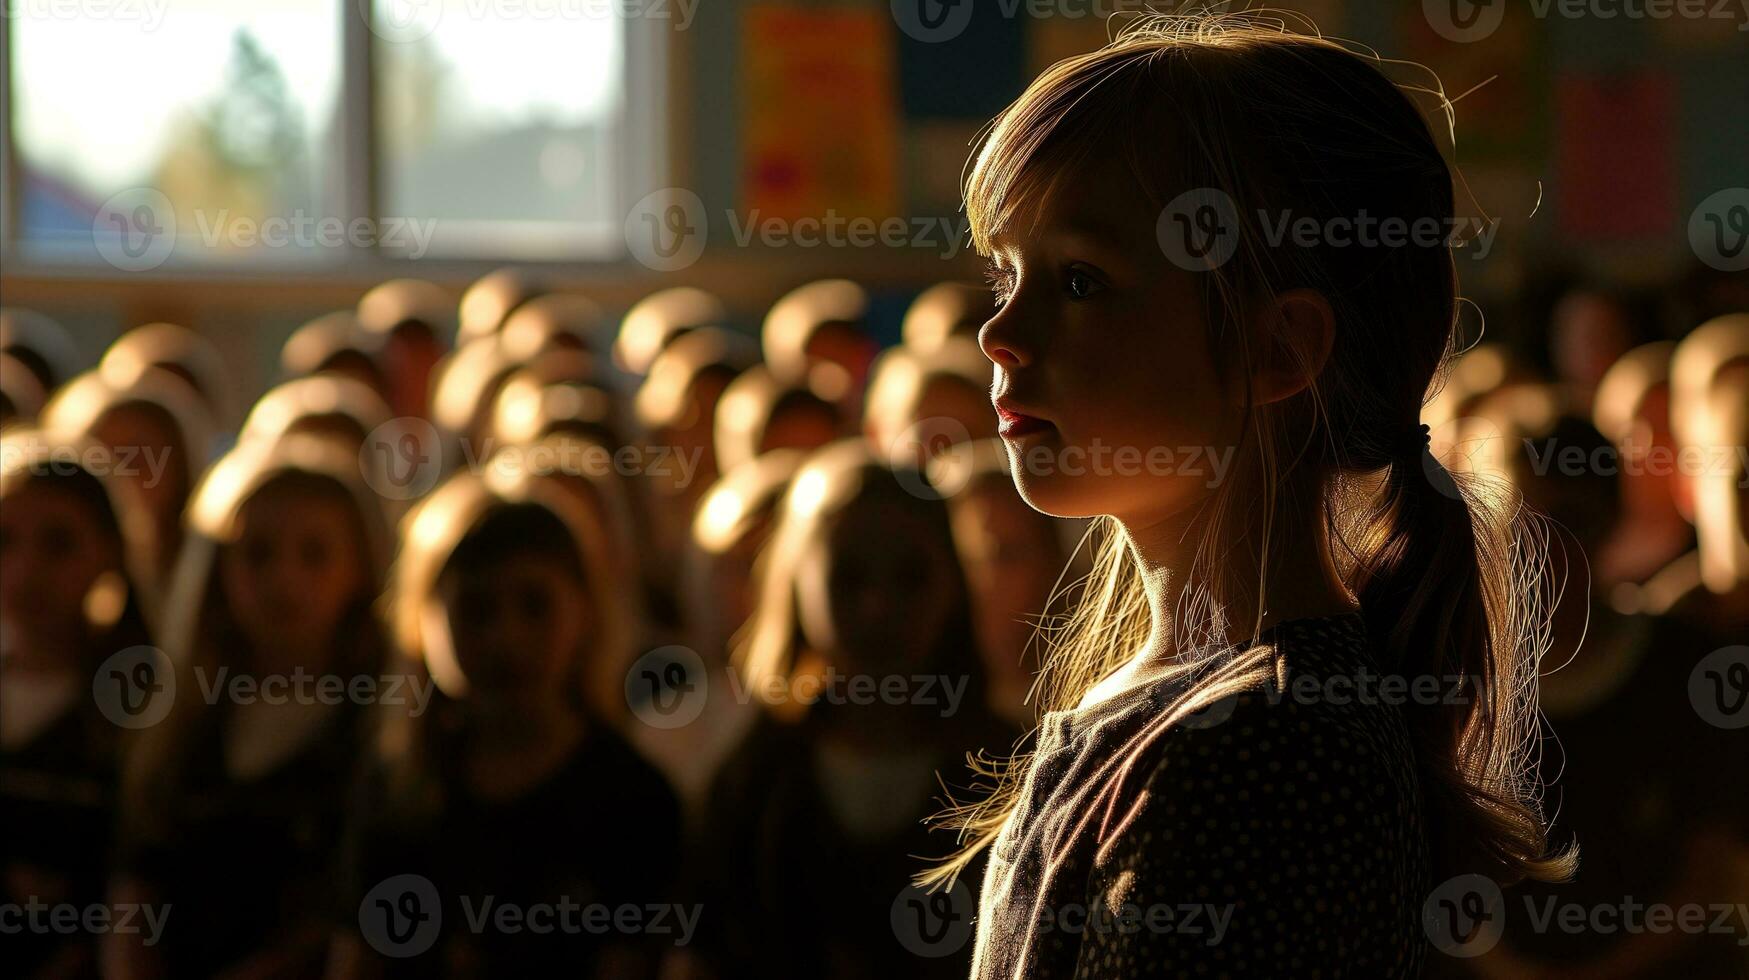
column 1450, row 575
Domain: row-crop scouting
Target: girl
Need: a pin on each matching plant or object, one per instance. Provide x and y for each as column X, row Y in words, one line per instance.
column 41, row 344
column 232, row 802
column 677, row 403
column 175, row 349
column 921, row 403
column 333, row 406
column 759, row 413
column 415, row 320
column 71, row 551
column 21, row 394
column 333, row 343
column 944, row 310
column 813, row 814
column 489, row 302
column 1012, row 557
column 817, row 335
column 654, row 321
column 160, row 436
column 1632, row 408
column 509, row 788
column 1152, row 321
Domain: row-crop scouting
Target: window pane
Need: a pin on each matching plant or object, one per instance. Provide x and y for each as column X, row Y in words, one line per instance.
column 500, row 119
column 174, row 131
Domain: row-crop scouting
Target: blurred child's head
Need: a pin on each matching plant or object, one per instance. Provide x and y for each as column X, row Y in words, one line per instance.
column 816, row 335
column 331, row 406
column 1590, row 330
column 287, row 555
column 158, row 435
column 657, row 319
column 948, row 309
column 758, row 413
column 40, row 344
column 555, row 321
column 489, row 302
column 415, row 321
column 334, row 344
column 921, row 403
column 72, row 551
column 21, row 393
column 1632, row 408
column 860, row 578
column 729, row 529
column 177, row 350
column 505, row 590
column 1012, row 557
column 677, row 403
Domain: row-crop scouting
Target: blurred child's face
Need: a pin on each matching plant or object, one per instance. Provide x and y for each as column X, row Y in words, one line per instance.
column 875, row 592
column 1101, row 348
column 799, row 427
column 518, row 627
column 296, row 564
column 134, row 429
column 846, row 347
column 1011, row 560
column 52, row 551
column 409, row 356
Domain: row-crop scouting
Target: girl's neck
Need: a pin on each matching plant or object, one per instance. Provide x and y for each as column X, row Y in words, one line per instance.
column 1302, row 580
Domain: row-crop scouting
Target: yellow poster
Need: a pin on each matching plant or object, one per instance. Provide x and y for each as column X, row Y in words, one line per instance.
column 820, row 118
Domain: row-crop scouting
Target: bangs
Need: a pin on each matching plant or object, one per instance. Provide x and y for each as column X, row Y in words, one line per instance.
column 1080, row 107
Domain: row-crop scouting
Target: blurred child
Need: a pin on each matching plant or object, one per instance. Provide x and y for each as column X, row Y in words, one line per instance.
column 234, row 802
column 329, row 405
column 1013, row 560
column 920, row 404
column 556, row 321
column 1632, row 408
column 654, row 321
column 759, row 413
column 817, row 335
column 510, row 790
column 489, row 302
column 677, row 405
column 334, row 343
column 948, row 309
column 71, row 551
column 158, row 435
column 862, row 655
column 21, row 394
column 1631, row 768
column 415, row 321
column 178, row 350
column 732, row 524
column 41, row 345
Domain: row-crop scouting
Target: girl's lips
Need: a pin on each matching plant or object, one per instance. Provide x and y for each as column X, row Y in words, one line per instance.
column 1013, row 425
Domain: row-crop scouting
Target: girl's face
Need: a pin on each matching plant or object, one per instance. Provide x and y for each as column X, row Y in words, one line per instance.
column 1103, row 358
column 296, row 564
column 52, row 551
column 874, row 592
column 518, row 627
column 134, row 429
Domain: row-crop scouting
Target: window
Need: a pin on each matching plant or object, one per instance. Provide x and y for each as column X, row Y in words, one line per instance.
column 213, row 133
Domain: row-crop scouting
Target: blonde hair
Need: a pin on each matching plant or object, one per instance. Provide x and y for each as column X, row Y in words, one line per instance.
column 1447, row 571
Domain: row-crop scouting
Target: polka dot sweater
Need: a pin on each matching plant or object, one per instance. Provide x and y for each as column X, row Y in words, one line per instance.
column 1275, row 833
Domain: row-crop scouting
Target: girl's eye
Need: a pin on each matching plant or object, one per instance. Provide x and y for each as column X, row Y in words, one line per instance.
column 1079, row 284
column 1001, row 284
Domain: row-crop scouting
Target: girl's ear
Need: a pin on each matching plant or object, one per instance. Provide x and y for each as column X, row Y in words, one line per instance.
column 1295, row 331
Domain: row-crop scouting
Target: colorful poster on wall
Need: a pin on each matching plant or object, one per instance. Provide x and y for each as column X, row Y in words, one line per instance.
column 820, row 113
column 1615, row 160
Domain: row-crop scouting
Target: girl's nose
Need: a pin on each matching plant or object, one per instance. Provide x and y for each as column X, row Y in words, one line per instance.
column 1001, row 342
